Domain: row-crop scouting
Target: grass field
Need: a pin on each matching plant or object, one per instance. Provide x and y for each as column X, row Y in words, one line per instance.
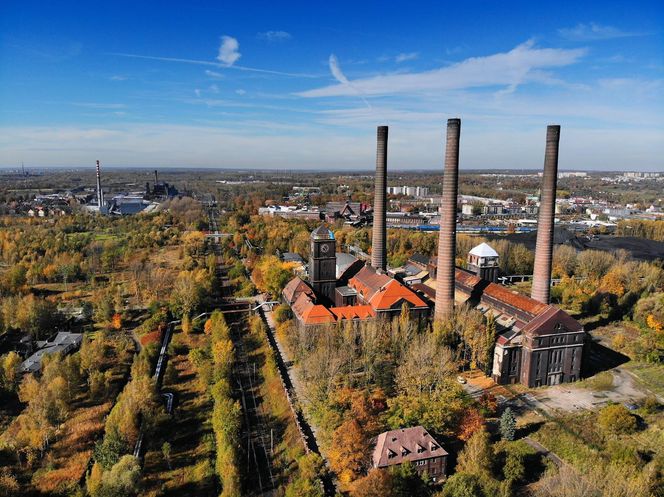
column 650, row 376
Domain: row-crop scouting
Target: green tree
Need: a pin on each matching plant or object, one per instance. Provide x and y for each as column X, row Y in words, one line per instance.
column 463, row 485
column 122, row 480
column 306, row 482
column 166, row 452
column 107, row 452
column 477, row 456
column 508, row 425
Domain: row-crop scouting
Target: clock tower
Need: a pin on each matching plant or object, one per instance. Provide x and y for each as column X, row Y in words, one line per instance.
column 323, row 263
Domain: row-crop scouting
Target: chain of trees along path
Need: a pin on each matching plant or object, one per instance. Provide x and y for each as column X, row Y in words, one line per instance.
column 304, row 428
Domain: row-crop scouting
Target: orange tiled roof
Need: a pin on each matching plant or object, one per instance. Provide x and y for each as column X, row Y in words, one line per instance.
column 514, row 299
column 353, row 312
column 466, row 277
column 309, row 313
column 294, row 288
column 393, row 292
column 381, row 291
column 367, row 282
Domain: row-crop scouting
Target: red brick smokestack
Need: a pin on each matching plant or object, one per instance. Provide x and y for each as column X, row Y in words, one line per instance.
column 447, row 238
column 544, row 250
column 379, row 238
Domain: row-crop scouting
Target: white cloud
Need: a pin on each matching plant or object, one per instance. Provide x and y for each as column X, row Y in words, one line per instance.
column 98, row 105
column 228, row 51
column 213, row 74
column 404, row 57
column 593, row 31
column 118, row 77
column 197, row 92
column 411, row 147
column 213, row 88
column 275, row 36
column 501, row 69
column 241, row 91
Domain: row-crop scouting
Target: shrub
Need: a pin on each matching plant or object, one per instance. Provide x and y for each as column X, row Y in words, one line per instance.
column 616, row 419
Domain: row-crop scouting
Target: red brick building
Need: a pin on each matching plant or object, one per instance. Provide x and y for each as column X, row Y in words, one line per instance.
column 360, row 292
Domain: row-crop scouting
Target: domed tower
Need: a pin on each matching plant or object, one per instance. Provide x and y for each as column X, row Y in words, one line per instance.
column 322, row 263
column 483, row 261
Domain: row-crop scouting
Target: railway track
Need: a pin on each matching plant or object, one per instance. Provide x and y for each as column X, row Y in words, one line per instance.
column 257, row 432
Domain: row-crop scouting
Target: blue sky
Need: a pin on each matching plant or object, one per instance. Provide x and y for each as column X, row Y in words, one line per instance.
column 304, row 84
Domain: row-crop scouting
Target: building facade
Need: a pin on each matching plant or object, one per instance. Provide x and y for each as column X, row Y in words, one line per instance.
column 323, row 264
column 415, row 445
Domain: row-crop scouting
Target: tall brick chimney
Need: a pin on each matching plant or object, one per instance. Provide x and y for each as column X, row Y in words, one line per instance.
column 447, row 237
column 379, row 239
column 100, row 192
column 544, row 249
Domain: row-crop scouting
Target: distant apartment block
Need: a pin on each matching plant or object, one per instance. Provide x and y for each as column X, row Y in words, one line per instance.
column 409, row 191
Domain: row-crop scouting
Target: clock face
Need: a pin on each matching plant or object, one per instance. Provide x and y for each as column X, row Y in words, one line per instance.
column 325, row 248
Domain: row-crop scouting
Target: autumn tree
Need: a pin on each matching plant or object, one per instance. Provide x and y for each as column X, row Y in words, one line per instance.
column 10, row 370
column 471, row 422
column 347, row 456
column 616, row 419
column 378, row 482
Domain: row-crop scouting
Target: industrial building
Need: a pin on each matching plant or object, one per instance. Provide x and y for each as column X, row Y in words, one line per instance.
column 536, row 343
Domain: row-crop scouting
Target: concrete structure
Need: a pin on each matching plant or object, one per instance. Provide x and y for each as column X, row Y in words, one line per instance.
column 447, row 237
column 379, row 240
column 414, row 445
column 544, row 249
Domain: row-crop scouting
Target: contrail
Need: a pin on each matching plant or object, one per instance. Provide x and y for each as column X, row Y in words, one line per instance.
column 217, row 64
column 335, row 69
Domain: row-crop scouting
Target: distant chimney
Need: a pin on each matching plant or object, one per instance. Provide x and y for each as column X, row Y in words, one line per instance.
column 100, row 192
column 379, row 240
column 447, row 237
column 544, row 249
column 156, row 177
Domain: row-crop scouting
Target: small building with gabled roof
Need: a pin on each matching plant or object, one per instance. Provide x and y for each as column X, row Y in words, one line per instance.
column 415, row 445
